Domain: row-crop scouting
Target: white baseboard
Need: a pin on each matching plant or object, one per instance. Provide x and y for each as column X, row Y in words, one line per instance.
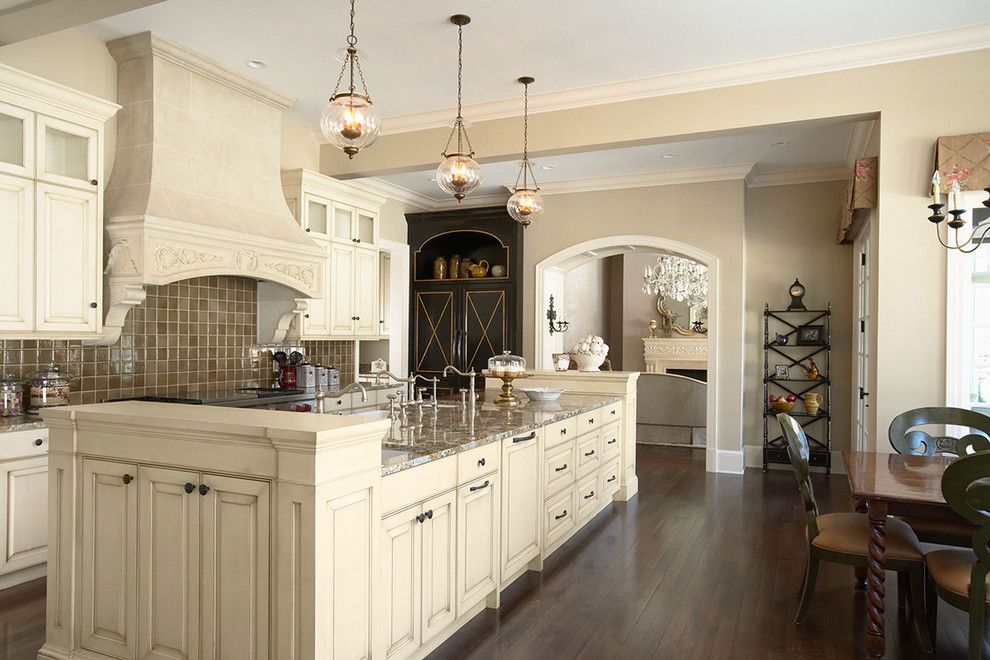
column 754, row 459
column 23, row 575
column 728, row 461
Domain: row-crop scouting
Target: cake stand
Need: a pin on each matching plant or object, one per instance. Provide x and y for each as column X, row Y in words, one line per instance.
column 506, row 398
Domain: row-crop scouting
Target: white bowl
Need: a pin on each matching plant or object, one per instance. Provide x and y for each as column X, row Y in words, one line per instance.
column 589, row 361
column 542, row 394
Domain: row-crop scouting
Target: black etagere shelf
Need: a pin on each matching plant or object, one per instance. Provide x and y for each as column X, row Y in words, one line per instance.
column 786, row 342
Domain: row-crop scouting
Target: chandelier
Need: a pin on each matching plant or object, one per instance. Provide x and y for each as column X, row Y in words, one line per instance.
column 677, row 278
column 525, row 205
column 979, row 232
column 458, row 172
column 349, row 120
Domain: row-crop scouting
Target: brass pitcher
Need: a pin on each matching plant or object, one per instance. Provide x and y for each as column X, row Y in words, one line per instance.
column 479, row 270
column 454, row 272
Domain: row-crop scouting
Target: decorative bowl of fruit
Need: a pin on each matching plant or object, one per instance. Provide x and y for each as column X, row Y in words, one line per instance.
column 782, row 404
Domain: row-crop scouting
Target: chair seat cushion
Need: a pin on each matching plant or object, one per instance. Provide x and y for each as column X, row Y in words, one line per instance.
column 951, row 570
column 942, row 530
column 849, row 534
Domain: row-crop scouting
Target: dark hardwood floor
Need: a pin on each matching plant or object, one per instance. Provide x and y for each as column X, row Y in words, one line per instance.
column 696, row 566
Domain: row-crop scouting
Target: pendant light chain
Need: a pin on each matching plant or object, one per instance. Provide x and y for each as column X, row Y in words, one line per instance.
column 525, row 134
column 458, row 128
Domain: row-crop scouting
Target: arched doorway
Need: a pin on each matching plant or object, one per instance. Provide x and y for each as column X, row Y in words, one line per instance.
column 549, row 275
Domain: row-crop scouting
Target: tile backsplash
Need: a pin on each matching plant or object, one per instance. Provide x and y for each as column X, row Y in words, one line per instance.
column 191, row 335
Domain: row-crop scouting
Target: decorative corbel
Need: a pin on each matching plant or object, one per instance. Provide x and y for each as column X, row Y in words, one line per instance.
column 122, row 298
column 284, row 322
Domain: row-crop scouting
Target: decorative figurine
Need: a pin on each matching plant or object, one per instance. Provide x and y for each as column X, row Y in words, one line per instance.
column 811, row 370
column 652, row 325
column 797, row 293
column 781, row 340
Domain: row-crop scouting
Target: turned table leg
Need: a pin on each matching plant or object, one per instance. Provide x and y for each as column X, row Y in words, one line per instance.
column 876, row 573
column 860, row 571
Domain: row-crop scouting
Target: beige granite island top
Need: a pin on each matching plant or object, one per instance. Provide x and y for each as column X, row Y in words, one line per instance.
column 446, row 431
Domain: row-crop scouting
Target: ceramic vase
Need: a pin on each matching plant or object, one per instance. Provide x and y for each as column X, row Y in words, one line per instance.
column 812, row 402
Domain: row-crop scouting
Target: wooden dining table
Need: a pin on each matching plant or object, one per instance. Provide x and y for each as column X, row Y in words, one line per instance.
column 892, row 484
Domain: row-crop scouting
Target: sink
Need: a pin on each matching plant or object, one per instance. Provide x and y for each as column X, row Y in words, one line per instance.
column 373, row 414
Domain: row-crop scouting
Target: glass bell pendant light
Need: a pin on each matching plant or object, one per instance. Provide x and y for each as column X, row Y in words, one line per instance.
column 458, row 173
column 525, row 205
column 349, row 120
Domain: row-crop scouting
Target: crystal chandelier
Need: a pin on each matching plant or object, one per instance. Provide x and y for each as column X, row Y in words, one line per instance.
column 349, row 120
column 980, row 231
column 525, row 205
column 677, row 278
column 458, row 172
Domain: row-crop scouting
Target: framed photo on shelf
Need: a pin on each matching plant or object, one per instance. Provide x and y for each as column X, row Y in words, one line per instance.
column 811, row 335
column 781, row 371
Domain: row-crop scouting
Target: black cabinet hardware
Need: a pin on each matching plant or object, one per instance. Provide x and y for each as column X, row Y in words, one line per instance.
column 589, row 495
column 484, row 485
column 591, row 422
column 612, row 412
column 189, row 488
column 564, row 514
column 612, row 441
column 524, row 438
column 93, row 182
column 563, row 431
column 561, row 468
column 421, row 517
column 610, row 479
column 307, row 229
column 127, row 479
column 481, row 463
column 429, row 514
column 38, row 442
column 590, row 453
column 93, row 305
column 203, row 489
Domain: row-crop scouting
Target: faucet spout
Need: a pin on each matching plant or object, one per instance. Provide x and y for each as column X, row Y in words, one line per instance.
column 356, row 386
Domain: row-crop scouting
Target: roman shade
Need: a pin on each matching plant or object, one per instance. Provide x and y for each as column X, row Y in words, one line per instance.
column 861, row 195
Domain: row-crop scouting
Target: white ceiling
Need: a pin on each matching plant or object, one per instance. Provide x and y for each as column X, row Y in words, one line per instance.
column 819, row 145
column 565, row 44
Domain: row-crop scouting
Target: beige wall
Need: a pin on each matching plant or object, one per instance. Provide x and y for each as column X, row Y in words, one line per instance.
column 392, row 220
column 299, row 146
column 790, row 232
column 584, row 303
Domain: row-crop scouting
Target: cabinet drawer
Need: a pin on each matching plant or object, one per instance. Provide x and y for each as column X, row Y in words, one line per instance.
column 587, row 496
column 341, row 404
column 559, row 517
column 588, row 453
column 561, row 431
column 561, row 466
column 477, row 462
column 610, row 479
column 612, row 412
column 19, row 444
column 589, row 421
column 611, row 441
column 406, row 488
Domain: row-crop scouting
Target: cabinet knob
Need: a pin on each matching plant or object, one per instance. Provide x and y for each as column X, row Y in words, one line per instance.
column 189, row 488
column 429, row 514
column 127, row 479
column 203, row 489
column 563, row 515
column 38, row 442
column 93, row 181
column 93, row 305
column 421, row 517
column 481, row 462
column 307, row 230
column 305, row 316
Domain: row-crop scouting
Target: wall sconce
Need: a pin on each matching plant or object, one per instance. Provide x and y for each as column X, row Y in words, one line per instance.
column 555, row 325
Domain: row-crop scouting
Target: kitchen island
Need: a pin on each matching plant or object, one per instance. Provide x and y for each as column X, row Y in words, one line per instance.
column 200, row 531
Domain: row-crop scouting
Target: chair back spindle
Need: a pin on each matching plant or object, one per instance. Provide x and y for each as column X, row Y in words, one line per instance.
column 799, row 453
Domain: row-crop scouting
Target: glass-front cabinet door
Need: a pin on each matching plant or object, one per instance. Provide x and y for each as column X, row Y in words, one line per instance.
column 343, row 224
column 365, row 230
column 316, row 215
column 67, row 153
column 16, row 140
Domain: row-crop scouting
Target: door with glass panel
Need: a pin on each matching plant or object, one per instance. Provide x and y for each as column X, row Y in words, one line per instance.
column 316, row 215
column 67, row 153
column 16, row 141
column 863, row 429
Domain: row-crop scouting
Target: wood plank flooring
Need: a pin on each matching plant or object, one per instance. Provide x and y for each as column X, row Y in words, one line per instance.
column 696, row 566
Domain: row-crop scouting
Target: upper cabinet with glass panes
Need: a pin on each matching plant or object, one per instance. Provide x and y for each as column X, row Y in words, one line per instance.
column 331, row 209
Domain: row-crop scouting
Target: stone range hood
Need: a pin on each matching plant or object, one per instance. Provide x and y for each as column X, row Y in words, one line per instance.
column 196, row 188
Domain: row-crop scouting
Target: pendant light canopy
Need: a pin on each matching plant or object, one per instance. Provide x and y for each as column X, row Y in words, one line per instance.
column 525, row 205
column 458, row 172
column 349, row 120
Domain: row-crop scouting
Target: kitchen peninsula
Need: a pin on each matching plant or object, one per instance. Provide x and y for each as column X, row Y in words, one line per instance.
column 202, row 531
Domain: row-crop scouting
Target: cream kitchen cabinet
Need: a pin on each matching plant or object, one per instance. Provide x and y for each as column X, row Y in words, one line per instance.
column 477, row 541
column 521, row 476
column 23, row 510
column 354, row 225
column 182, row 559
column 51, row 184
column 384, row 294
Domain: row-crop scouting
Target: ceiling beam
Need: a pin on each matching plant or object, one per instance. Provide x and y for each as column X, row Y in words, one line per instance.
column 34, row 18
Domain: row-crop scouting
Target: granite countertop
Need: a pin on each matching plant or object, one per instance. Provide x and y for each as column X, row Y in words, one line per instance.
column 21, row 423
column 414, row 441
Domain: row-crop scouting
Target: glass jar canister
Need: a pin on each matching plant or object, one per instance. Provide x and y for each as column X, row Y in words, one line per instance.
column 11, row 396
column 506, row 364
column 49, row 387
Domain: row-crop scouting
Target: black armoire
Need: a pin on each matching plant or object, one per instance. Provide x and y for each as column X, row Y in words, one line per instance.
column 463, row 322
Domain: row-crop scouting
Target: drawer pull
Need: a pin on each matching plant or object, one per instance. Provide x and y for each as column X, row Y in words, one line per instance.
column 591, row 421
column 561, row 468
column 481, row 463
column 524, row 439
column 612, row 441
column 612, row 412
column 590, row 453
column 38, row 442
column 610, row 479
column 563, row 431
column 563, row 515
column 474, row 488
column 188, row 488
column 589, row 495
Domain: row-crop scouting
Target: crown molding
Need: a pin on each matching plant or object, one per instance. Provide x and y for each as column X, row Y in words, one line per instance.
column 649, row 179
column 887, row 51
column 42, row 95
column 792, row 177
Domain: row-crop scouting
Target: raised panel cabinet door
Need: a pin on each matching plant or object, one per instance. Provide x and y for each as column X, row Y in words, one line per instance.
column 108, row 607
column 168, row 566
column 439, row 563
column 24, row 513
column 484, row 327
column 433, row 338
column 522, row 469
column 366, row 292
column 16, row 253
column 341, row 290
column 16, row 140
column 67, row 154
column 477, row 541
column 67, row 260
column 235, row 570
column 402, row 563
column 315, row 322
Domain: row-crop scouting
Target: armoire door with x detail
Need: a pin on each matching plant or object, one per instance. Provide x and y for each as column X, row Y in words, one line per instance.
column 433, row 327
column 484, row 327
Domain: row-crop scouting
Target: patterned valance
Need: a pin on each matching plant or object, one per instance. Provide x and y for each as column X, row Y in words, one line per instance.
column 861, row 194
column 965, row 158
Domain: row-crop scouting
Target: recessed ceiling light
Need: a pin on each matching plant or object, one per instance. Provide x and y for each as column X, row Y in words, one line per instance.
column 781, row 143
column 257, row 64
column 548, row 167
column 668, row 156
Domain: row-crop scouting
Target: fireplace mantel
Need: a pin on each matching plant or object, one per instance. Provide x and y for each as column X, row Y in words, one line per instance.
column 664, row 353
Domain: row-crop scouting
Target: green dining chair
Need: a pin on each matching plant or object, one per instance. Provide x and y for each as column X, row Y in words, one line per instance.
column 959, row 577
column 842, row 538
column 906, row 437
